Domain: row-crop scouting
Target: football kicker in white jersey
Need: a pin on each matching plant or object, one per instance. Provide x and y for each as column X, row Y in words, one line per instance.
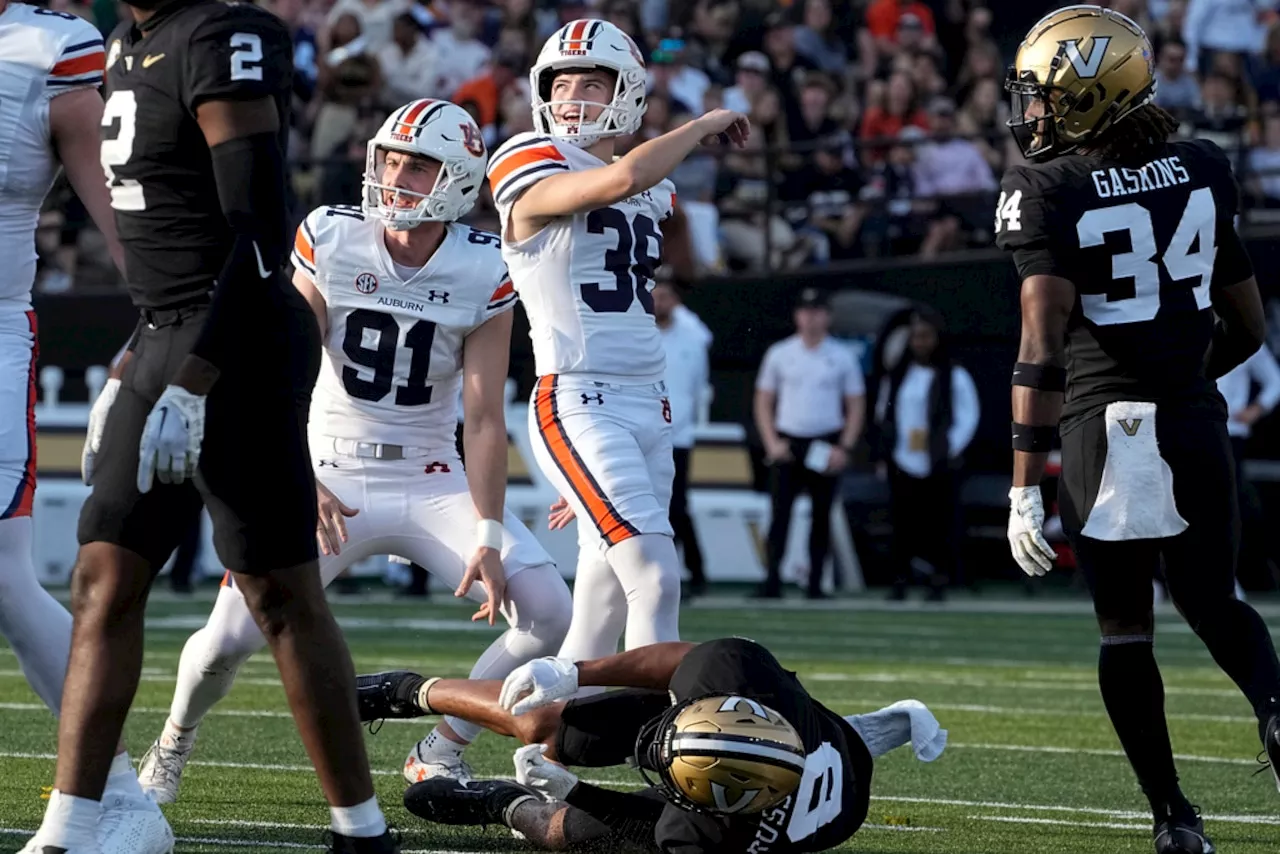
column 581, row 236
column 51, row 65
column 412, row 305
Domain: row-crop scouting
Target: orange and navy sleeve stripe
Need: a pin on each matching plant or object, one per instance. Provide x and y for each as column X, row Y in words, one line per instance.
column 613, row 528
column 503, row 296
column 79, row 65
column 304, row 251
column 520, row 166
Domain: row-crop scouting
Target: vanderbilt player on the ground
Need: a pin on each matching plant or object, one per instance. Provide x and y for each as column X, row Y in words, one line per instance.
column 212, row 404
column 740, row 757
column 412, row 305
column 1136, row 294
column 581, row 235
column 50, row 69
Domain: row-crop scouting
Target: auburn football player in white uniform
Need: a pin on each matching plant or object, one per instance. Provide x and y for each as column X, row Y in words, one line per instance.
column 412, row 305
column 51, row 65
column 581, row 237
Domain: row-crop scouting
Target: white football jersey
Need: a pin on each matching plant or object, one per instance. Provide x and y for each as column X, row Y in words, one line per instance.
column 392, row 366
column 586, row 281
column 42, row 54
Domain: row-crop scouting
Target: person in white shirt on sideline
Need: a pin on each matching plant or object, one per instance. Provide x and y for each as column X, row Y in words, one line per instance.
column 809, row 390
column 1243, row 411
column 685, row 341
column 927, row 412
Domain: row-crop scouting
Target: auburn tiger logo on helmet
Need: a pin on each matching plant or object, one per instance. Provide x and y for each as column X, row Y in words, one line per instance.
column 1080, row 70
column 722, row 754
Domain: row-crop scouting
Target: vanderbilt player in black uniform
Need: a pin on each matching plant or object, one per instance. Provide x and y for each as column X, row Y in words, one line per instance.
column 1136, row 295
column 740, row 757
column 213, row 402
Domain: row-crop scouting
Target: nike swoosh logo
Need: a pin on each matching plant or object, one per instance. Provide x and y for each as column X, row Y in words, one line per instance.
column 262, row 268
column 148, row 61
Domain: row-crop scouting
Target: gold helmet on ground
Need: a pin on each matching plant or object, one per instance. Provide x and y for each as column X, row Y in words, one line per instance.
column 722, row 754
column 1079, row 71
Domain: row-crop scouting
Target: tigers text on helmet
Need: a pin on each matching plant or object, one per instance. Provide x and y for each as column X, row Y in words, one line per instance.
column 583, row 45
column 1080, row 70
column 721, row 754
column 438, row 130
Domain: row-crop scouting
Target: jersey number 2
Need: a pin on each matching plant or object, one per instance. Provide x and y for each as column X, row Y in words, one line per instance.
column 381, row 358
column 120, row 114
column 1198, row 225
column 630, row 262
column 246, row 56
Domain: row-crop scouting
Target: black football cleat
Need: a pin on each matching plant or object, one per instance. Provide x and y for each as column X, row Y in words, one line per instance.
column 1179, row 836
column 479, row 803
column 393, row 694
column 384, row 844
column 1271, row 745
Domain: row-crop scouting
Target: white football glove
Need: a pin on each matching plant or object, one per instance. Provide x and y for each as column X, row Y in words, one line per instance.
column 545, row 680
column 171, row 438
column 547, row 778
column 97, row 423
column 1026, row 531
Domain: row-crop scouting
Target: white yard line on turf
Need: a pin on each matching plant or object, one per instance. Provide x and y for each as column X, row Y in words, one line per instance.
column 1021, row 748
column 1109, row 825
column 247, row 843
column 979, row 682
column 231, row 713
column 1062, row 808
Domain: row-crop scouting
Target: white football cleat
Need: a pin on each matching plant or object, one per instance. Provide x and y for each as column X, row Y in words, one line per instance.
column 36, row 846
column 133, row 825
column 160, row 772
column 424, row 764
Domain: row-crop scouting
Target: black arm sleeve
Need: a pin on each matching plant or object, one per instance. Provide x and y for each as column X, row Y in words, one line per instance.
column 250, row 175
column 630, row 816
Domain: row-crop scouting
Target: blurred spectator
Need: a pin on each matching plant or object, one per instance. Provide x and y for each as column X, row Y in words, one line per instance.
column 899, row 111
column 810, row 119
column 374, row 17
column 1223, row 26
column 897, row 220
column 750, row 82
column 1169, row 21
column 1177, row 90
column 1264, row 165
column 1266, row 69
column 884, row 17
column 954, row 171
column 824, row 202
column 624, row 15
column 489, row 89
column 342, row 175
column 412, row 61
column 671, row 76
column 755, row 236
column 981, row 62
column 926, row 76
column 349, row 79
column 459, row 53
column 789, row 67
column 818, row 40
column 710, row 30
column 1220, row 118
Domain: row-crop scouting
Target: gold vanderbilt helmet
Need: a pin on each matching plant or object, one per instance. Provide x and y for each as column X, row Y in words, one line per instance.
column 1080, row 70
column 721, row 754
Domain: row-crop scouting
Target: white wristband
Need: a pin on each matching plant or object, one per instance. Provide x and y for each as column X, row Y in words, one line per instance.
column 489, row 534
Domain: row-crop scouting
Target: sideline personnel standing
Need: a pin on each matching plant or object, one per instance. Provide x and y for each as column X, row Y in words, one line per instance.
column 685, row 341
column 809, row 391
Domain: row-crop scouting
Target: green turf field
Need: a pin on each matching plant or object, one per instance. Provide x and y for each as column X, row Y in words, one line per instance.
column 1032, row 765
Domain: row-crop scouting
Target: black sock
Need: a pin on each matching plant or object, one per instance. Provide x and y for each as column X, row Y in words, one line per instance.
column 1134, row 696
column 1240, row 643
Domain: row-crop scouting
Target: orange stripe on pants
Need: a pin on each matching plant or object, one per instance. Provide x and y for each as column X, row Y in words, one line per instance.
column 24, row 497
column 613, row 528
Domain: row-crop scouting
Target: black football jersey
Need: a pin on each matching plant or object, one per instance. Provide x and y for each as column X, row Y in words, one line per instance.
column 1144, row 245
column 830, row 804
column 157, row 162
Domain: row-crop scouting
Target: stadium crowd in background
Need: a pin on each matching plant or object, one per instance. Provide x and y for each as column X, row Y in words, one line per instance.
column 881, row 121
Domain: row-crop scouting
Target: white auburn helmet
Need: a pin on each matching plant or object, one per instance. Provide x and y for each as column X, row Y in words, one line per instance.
column 439, row 130
column 590, row 43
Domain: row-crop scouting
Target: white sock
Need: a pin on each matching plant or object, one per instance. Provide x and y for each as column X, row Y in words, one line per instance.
column 70, row 822
column 35, row 624
column 122, row 779
column 437, row 743
column 648, row 569
column 363, row 820
column 175, row 737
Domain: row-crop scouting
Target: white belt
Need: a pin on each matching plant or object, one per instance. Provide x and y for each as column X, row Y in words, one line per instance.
column 375, row 451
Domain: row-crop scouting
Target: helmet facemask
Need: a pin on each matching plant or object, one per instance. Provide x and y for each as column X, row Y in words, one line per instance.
column 619, row 117
column 434, row 206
